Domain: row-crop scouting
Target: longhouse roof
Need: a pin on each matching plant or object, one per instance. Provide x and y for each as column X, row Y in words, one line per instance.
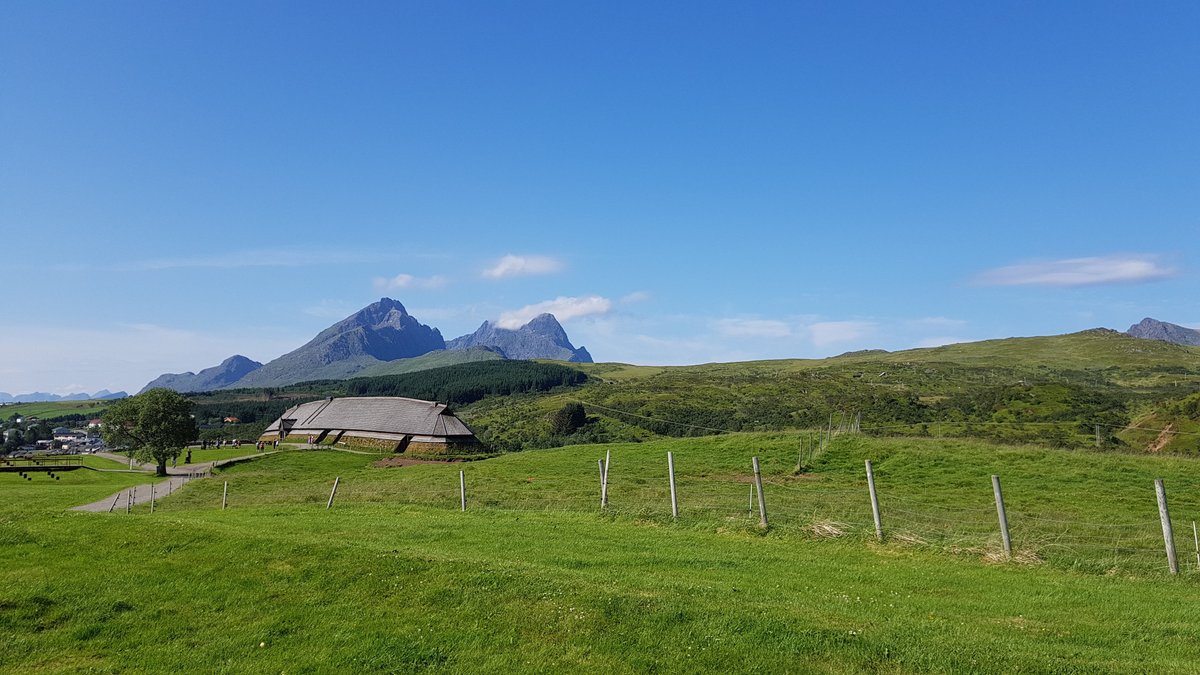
column 383, row 414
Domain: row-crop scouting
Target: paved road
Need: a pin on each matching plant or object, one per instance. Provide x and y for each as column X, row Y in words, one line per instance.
column 176, row 478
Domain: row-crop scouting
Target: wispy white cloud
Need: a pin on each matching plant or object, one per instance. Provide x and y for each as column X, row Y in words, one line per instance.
column 330, row 309
column 522, row 266
column 1092, row 271
column 563, row 309
column 939, row 341
column 826, row 333
column 754, row 328
column 269, row 257
column 406, row 281
column 935, row 322
column 635, row 297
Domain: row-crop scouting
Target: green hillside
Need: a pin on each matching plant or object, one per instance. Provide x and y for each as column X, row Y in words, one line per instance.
column 437, row 359
column 1056, row 390
column 1167, row 426
column 1053, row 390
column 48, row 410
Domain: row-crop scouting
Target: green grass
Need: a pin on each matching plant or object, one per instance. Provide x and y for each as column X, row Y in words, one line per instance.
column 52, row 409
column 534, row 578
column 218, row 454
column 1093, row 512
column 436, row 359
column 41, row 501
column 94, row 461
column 1041, row 390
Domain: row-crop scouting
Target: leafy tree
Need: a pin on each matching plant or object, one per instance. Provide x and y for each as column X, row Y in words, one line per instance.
column 568, row 419
column 156, row 425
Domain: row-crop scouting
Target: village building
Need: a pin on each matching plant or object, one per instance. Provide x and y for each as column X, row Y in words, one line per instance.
column 385, row 423
column 65, row 435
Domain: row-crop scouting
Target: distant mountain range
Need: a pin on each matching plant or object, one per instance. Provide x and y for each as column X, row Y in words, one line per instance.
column 1153, row 329
column 231, row 370
column 382, row 338
column 41, row 396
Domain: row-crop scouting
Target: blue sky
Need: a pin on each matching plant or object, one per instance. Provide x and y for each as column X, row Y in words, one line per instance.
column 679, row 182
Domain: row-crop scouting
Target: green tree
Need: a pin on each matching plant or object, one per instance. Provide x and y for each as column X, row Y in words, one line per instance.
column 568, row 419
column 155, row 425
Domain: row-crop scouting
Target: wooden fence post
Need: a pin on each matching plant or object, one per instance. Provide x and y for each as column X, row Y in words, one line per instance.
column 604, row 484
column 225, row 496
column 1196, row 541
column 114, row 504
column 336, row 480
column 762, row 500
column 1165, row 516
column 874, row 501
column 152, row 498
column 674, row 500
column 462, row 489
column 600, row 463
column 1002, row 516
column 128, row 500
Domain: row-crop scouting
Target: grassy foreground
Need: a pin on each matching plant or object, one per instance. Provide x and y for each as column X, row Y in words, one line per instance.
column 394, row 578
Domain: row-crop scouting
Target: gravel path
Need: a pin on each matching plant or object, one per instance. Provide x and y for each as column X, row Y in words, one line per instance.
column 176, row 478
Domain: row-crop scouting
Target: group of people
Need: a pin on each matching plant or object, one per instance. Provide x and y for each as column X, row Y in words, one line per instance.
column 235, row 443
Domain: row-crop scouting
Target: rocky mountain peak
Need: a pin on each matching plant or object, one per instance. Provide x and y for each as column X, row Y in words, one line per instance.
column 1153, row 329
column 547, row 325
column 542, row 337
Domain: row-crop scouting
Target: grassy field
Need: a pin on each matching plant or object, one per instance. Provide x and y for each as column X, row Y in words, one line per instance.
column 93, row 461
column 1093, row 512
column 52, row 409
column 533, row 578
column 218, row 454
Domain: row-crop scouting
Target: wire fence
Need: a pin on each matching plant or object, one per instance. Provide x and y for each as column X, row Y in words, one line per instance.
column 832, row 506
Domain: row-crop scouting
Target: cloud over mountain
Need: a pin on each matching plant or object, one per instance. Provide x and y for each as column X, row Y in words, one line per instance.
column 563, row 308
column 522, row 266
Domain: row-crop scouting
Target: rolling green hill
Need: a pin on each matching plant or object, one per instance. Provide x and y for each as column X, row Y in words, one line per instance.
column 49, row 410
column 436, row 359
column 1052, row 390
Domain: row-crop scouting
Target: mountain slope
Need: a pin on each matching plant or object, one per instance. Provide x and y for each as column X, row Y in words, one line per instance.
column 542, row 338
column 1153, row 329
column 436, row 359
column 1049, row 390
column 229, row 371
column 381, row 331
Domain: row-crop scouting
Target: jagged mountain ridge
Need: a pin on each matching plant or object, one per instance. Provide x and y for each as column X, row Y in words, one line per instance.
column 229, row 371
column 379, row 339
column 381, row 331
column 542, row 338
column 1153, row 329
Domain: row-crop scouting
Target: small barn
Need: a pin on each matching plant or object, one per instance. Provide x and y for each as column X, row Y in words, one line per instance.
column 383, row 423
